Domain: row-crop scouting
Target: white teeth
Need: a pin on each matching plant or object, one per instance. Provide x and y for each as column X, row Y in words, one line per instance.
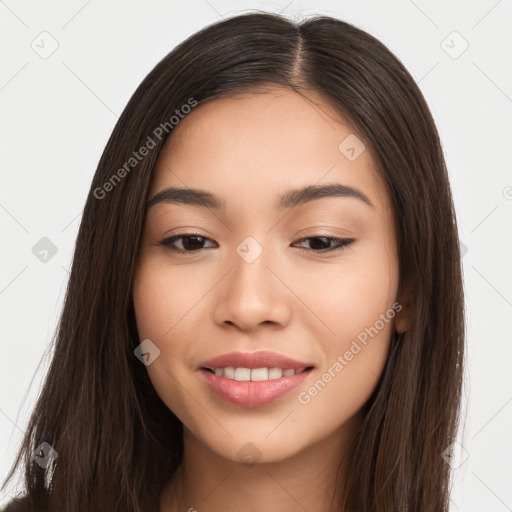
column 229, row 372
column 255, row 374
column 275, row 373
column 242, row 374
column 259, row 374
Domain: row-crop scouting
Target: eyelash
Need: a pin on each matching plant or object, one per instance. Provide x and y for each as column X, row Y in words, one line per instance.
column 343, row 243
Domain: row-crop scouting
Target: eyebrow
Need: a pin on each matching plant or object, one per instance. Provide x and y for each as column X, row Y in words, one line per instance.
column 292, row 198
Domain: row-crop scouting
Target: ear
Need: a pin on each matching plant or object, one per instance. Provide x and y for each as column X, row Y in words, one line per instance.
column 405, row 317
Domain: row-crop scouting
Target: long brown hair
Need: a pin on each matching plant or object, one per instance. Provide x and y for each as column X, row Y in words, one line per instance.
column 117, row 443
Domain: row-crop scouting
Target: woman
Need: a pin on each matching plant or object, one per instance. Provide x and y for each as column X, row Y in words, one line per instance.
column 265, row 307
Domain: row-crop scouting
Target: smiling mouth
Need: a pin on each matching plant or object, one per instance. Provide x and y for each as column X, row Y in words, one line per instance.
column 253, row 387
column 242, row 374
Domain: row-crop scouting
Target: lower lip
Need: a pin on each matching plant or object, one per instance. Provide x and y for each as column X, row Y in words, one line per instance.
column 252, row 394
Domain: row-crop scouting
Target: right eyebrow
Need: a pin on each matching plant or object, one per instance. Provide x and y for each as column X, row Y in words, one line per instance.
column 190, row 196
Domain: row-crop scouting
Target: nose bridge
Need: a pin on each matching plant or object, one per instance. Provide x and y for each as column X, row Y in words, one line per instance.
column 252, row 294
column 250, row 274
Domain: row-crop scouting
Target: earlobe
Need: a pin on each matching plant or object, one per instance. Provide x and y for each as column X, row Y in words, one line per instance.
column 405, row 316
column 402, row 322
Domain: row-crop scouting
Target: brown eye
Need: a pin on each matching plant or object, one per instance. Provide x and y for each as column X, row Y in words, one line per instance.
column 191, row 242
column 322, row 243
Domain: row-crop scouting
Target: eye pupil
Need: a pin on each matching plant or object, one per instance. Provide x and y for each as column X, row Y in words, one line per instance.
column 323, row 245
column 196, row 244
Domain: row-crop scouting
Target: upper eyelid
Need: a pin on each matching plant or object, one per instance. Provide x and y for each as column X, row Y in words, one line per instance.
column 186, row 235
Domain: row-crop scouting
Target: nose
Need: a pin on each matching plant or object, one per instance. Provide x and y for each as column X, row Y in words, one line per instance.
column 253, row 295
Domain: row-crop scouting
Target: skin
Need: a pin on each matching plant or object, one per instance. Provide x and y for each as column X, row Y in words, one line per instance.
column 307, row 305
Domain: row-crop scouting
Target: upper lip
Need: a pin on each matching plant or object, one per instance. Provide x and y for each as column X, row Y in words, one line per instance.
column 261, row 359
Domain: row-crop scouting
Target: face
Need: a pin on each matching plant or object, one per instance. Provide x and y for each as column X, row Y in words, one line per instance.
column 314, row 281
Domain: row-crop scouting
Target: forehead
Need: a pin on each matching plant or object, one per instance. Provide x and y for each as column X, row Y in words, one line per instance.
column 257, row 145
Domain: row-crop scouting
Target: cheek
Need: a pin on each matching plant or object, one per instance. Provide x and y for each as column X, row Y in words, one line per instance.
column 149, row 297
column 161, row 315
column 357, row 309
column 350, row 296
column 351, row 371
column 157, row 311
column 158, row 298
column 165, row 298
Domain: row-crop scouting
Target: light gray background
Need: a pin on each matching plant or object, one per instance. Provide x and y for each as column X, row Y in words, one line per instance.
column 57, row 113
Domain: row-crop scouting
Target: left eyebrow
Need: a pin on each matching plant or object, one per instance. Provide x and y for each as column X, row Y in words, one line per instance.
column 300, row 196
column 292, row 198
